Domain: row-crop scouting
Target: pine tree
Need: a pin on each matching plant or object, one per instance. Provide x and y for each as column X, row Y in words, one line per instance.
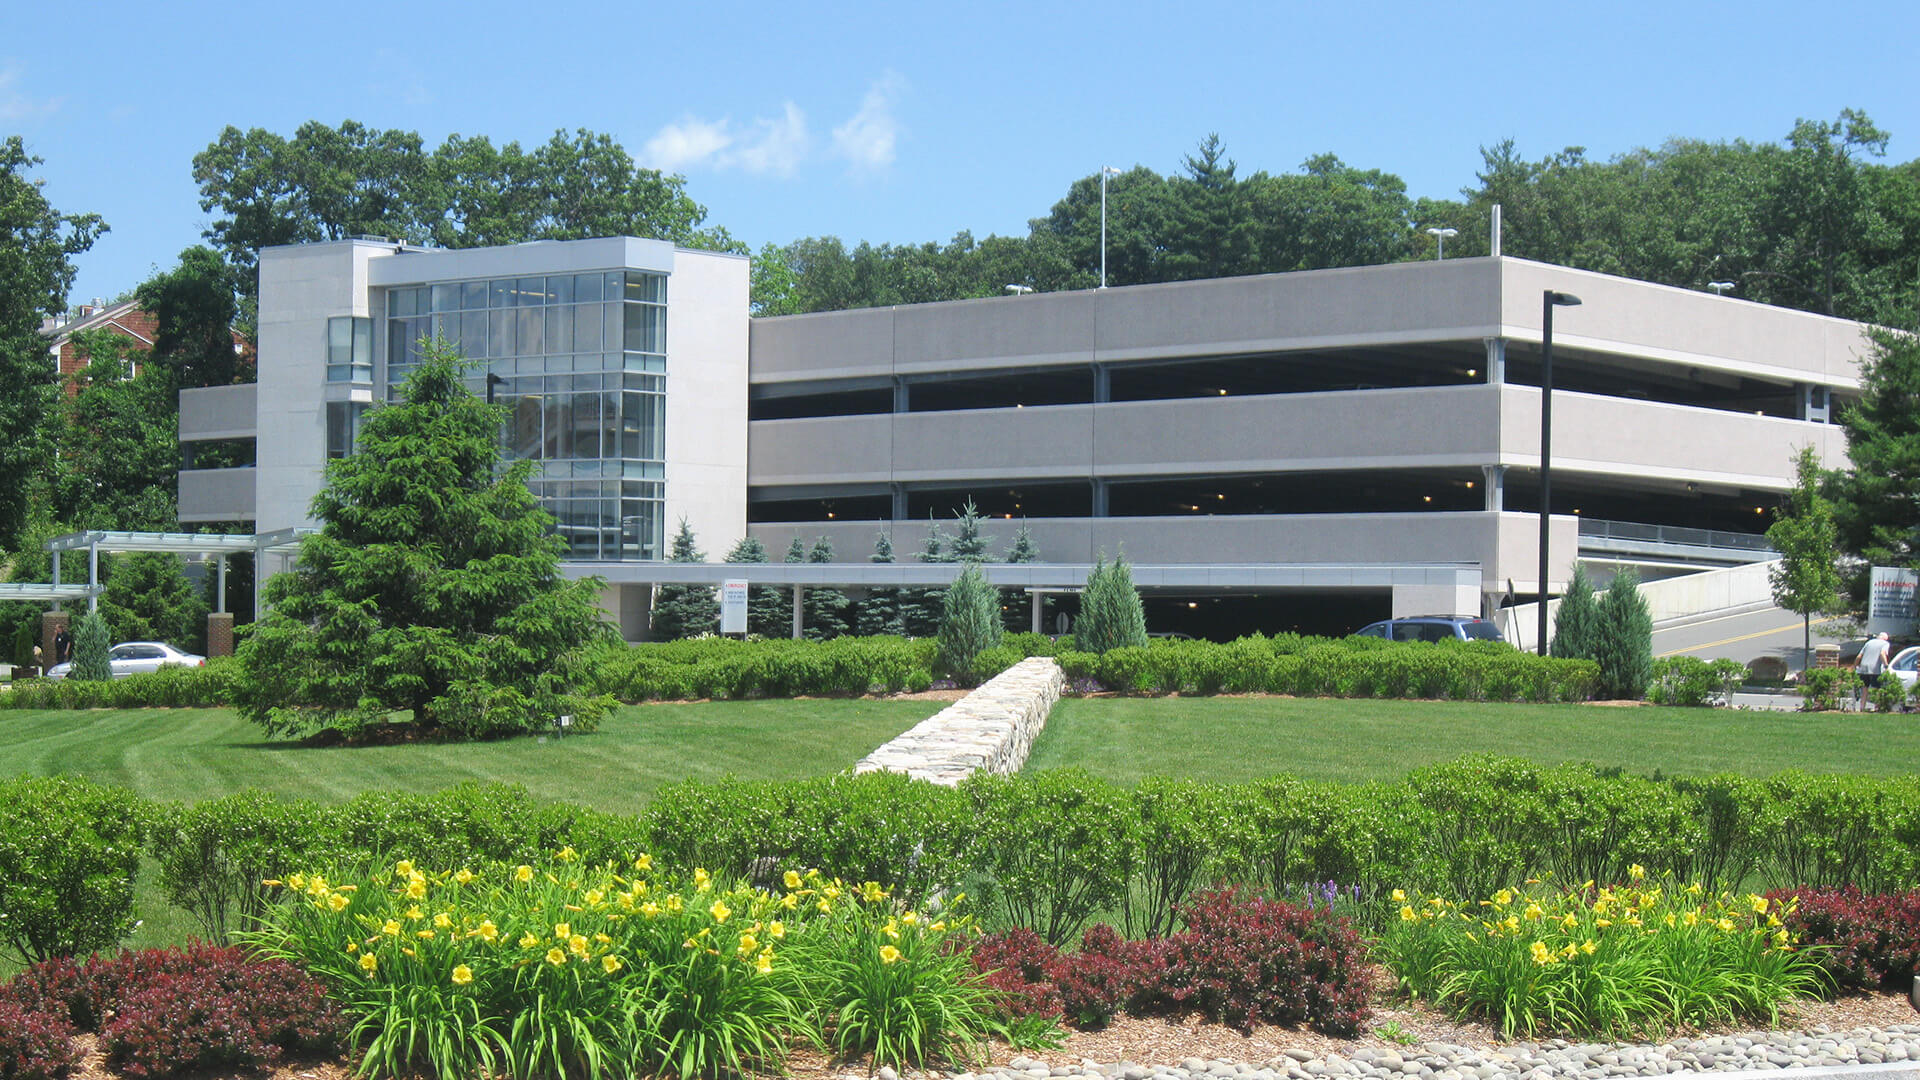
column 147, row 597
column 920, row 609
column 1110, row 613
column 824, row 609
column 90, row 644
column 796, row 551
column 968, row 545
column 879, row 610
column 768, row 612
column 1023, row 550
column 684, row 610
column 969, row 623
column 1624, row 642
column 1576, row 625
column 433, row 585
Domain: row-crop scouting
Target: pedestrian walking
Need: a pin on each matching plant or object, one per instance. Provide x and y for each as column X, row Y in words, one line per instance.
column 1873, row 659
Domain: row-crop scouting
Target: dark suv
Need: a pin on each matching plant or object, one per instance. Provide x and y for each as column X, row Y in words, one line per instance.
column 1433, row 628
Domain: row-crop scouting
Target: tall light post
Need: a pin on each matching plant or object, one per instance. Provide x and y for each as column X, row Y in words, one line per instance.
column 1548, row 301
column 1721, row 288
column 1105, row 171
column 1441, row 235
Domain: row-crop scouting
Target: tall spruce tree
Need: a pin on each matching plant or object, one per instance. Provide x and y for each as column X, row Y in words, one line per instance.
column 968, row 545
column 1110, row 613
column 969, row 624
column 825, row 609
column 681, row 611
column 1806, row 579
column 1576, row 625
column 1624, row 640
column 920, row 609
column 433, row 584
column 90, row 644
column 768, row 613
column 879, row 610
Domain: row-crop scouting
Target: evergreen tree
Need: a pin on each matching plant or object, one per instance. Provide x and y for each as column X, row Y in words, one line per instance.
column 968, row 545
column 684, row 610
column 1805, row 580
column 879, row 611
column 90, row 644
column 796, row 551
column 969, row 623
column 769, row 613
column 824, row 609
column 1576, row 624
column 433, row 585
column 1876, row 503
column 147, row 597
column 920, row 609
column 1624, row 641
column 1110, row 613
column 1023, row 550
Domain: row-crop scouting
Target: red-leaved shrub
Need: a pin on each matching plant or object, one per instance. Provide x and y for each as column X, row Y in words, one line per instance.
column 1108, row 974
column 34, row 1044
column 226, row 1013
column 1866, row 940
column 56, row 986
column 1244, row 958
column 1018, row 965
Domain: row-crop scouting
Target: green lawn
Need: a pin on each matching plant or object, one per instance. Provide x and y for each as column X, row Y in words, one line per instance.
column 1241, row 738
column 204, row 753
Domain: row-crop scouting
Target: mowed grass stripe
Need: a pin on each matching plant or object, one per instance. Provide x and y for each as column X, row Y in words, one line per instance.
column 195, row 754
column 1245, row 738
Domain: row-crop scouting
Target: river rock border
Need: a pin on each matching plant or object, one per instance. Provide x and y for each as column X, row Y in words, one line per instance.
column 992, row 728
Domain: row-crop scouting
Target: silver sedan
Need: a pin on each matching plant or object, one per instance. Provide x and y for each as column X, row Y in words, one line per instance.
column 137, row 658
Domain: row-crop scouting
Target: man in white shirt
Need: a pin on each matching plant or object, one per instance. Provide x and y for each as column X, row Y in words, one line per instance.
column 1873, row 659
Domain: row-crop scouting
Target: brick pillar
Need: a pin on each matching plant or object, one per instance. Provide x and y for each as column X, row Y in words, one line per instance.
column 51, row 624
column 220, row 634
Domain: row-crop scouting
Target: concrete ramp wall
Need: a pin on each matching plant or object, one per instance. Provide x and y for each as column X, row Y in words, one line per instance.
column 1668, row 600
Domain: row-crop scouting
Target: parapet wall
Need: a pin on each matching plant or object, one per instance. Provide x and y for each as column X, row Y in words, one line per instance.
column 992, row 728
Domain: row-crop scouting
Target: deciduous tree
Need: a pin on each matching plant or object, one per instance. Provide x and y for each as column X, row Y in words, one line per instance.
column 1806, row 579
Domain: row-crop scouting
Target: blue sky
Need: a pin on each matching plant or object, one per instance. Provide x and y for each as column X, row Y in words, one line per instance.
column 908, row 122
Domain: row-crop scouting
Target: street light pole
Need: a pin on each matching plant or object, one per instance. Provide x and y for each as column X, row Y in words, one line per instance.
column 1721, row 288
column 1105, row 171
column 1548, row 301
column 1441, row 235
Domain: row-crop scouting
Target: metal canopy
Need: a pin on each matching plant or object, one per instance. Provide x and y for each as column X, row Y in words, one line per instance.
column 55, row 593
column 180, row 543
column 1238, row 576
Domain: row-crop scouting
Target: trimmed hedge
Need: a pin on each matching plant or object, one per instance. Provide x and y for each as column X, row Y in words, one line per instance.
column 727, row 668
column 1045, row 849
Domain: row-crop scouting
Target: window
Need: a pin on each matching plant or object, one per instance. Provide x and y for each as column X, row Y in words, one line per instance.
column 343, row 427
column 350, row 349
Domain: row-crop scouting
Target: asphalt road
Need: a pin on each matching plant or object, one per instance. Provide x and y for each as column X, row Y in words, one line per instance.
column 1746, row 637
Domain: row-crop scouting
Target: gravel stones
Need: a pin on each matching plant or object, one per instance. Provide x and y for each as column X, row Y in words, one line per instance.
column 1554, row 1059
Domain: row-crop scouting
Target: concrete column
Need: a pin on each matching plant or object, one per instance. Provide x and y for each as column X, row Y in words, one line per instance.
column 93, row 577
column 1496, row 485
column 1814, row 402
column 220, row 586
column 51, row 624
column 799, row 619
column 1496, row 361
column 1038, row 603
column 1099, row 498
column 1102, row 384
column 901, row 397
column 898, row 493
column 220, row 634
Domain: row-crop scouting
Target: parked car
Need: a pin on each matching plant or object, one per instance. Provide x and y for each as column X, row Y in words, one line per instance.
column 137, row 658
column 1433, row 628
column 1905, row 666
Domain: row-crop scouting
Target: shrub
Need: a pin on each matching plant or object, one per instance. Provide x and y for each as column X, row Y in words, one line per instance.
column 58, row 987
column 1864, row 941
column 1689, row 680
column 214, row 854
column 1052, row 847
column 1824, row 689
column 1599, row 962
column 1110, row 612
column 1889, row 696
column 225, row 1011
column 1623, row 641
column 969, row 623
column 71, row 849
column 34, row 1045
column 1244, row 959
column 1108, row 974
column 1021, row 969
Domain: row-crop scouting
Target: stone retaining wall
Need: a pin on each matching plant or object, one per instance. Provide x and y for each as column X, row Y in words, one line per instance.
column 991, row 728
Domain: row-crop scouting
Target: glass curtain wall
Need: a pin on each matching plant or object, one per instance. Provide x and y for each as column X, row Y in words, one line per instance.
column 582, row 359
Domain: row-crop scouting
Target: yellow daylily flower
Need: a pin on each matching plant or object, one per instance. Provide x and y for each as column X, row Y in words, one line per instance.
column 337, row 902
column 556, row 957
column 889, row 954
column 487, row 931
column 463, row 876
column 391, row 928
column 403, row 868
column 528, row 941
column 462, row 975
column 764, row 962
column 643, row 862
column 720, row 911
column 368, row 962
column 611, row 963
column 443, row 920
column 792, row 880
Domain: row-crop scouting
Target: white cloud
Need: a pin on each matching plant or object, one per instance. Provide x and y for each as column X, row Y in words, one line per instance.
column 15, row 105
column 777, row 146
column 691, row 141
column 867, row 138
